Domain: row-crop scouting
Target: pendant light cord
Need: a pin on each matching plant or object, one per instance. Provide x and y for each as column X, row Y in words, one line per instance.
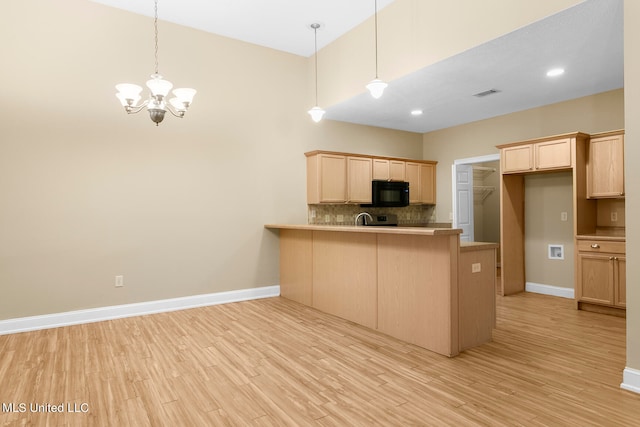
column 315, row 37
column 376, row 33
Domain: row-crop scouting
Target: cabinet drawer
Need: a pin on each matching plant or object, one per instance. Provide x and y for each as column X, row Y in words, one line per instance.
column 601, row 246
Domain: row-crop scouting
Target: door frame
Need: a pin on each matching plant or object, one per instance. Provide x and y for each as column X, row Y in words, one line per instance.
column 466, row 161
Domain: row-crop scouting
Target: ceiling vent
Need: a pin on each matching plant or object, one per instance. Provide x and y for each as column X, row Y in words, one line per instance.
column 486, row 93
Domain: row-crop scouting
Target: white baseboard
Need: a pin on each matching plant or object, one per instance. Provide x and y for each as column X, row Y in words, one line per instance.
column 32, row 323
column 631, row 380
column 555, row 291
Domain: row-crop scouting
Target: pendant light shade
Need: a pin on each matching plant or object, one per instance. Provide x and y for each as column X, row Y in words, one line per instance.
column 376, row 87
column 316, row 112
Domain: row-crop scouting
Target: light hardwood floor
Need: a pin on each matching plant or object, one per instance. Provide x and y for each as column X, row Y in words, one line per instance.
column 276, row 362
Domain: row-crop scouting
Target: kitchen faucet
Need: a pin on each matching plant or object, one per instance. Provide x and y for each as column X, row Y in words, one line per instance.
column 364, row 221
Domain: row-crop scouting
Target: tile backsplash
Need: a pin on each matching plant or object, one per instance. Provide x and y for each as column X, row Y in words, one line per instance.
column 346, row 214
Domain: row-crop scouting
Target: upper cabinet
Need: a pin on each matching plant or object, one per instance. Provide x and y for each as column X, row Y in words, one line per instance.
column 335, row 178
column 605, row 166
column 422, row 182
column 547, row 155
column 388, row 170
column 326, row 178
column 359, row 179
column 428, row 183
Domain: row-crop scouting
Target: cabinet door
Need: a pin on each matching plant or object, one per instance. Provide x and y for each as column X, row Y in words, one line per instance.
column 333, row 178
column 620, row 281
column 396, row 170
column 595, row 278
column 412, row 175
column 359, row 180
column 428, row 184
column 605, row 167
column 517, row 159
column 381, row 169
column 553, row 154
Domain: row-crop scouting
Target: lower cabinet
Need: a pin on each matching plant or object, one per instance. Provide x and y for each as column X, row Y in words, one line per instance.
column 601, row 274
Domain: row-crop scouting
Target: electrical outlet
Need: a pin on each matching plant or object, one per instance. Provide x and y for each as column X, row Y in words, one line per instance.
column 119, row 281
column 340, row 218
column 563, row 216
column 614, row 216
column 476, row 267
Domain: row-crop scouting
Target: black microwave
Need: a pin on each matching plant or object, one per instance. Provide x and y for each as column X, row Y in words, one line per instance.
column 389, row 194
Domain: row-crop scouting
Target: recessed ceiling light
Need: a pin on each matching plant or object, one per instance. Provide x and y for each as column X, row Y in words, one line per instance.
column 416, row 112
column 555, row 72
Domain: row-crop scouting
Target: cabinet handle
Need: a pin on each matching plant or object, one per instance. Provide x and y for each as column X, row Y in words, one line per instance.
column 595, row 246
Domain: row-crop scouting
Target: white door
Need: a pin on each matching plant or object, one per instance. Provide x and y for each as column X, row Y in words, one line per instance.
column 463, row 218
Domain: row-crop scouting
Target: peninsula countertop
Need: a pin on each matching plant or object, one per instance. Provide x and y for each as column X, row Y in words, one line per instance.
column 419, row 231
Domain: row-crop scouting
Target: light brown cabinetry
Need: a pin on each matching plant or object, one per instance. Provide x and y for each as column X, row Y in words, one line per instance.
column 359, row 180
column 412, row 173
column 605, row 166
column 428, row 184
column 601, row 277
column 565, row 152
column 536, row 157
column 326, row 178
column 335, row 178
column 388, row 170
column 404, row 283
column 422, row 182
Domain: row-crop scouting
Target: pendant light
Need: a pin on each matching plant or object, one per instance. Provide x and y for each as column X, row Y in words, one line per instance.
column 129, row 94
column 316, row 112
column 376, row 86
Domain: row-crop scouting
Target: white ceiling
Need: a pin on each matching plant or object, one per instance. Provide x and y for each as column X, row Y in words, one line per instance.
column 278, row 24
column 585, row 40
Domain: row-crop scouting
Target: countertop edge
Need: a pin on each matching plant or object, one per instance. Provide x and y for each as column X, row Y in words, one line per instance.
column 418, row 231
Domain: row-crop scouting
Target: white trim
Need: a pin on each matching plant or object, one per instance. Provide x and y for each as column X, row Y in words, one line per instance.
column 556, row 291
column 33, row 323
column 631, row 380
column 479, row 159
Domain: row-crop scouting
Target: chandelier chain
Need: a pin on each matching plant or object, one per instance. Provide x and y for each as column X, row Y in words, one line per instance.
column 155, row 25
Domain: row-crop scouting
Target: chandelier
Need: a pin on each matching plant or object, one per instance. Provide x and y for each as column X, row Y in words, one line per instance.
column 129, row 94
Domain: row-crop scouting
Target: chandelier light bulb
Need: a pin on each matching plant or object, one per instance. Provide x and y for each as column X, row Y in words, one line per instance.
column 376, row 87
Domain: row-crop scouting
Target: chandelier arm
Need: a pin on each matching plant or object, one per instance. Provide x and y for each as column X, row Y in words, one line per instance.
column 133, row 109
column 179, row 114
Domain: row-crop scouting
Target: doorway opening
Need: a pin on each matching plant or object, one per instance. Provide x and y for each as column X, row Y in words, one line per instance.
column 476, row 198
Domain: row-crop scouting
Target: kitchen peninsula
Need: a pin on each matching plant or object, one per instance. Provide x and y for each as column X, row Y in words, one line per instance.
column 417, row 284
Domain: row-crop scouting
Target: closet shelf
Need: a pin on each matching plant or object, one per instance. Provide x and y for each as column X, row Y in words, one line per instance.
column 482, row 191
column 481, row 172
